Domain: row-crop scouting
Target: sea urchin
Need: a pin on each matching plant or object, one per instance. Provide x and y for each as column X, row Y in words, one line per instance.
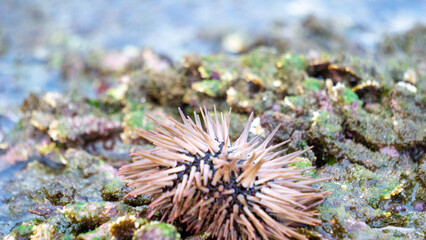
column 240, row 190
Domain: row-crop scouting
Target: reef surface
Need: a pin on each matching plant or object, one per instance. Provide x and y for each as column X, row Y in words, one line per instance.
column 364, row 116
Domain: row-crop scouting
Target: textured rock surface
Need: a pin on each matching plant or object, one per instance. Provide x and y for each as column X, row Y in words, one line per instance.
column 364, row 119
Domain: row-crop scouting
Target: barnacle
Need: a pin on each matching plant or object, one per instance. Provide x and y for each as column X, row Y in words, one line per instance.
column 239, row 190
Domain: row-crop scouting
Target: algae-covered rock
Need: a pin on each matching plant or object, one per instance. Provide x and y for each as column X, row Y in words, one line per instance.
column 156, row 230
column 23, row 231
column 38, row 191
column 212, row 88
column 328, row 133
column 289, row 123
column 363, row 117
column 78, row 130
column 379, row 130
column 101, row 233
column 165, row 87
column 113, row 191
column 87, row 221
column 116, row 191
column 131, row 227
column 57, row 194
column 48, row 230
column 94, row 214
column 359, row 203
column 69, row 120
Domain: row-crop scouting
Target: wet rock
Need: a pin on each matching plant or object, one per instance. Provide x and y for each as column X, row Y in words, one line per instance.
column 116, row 191
column 365, row 121
column 312, row 84
column 129, row 226
column 44, row 210
column 23, row 231
column 327, row 134
column 197, row 237
column 45, row 231
column 86, row 165
column 70, row 120
column 289, row 124
column 156, row 230
column 341, row 94
column 113, row 191
column 38, row 188
column 212, row 88
column 166, row 87
column 154, row 61
column 378, row 130
column 58, row 194
column 210, row 77
column 102, row 232
column 80, row 130
column 358, row 196
column 94, row 214
column 52, row 160
column 406, row 104
column 75, row 64
column 192, row 68
column 135, row 117
column 119, row 228
column 35, row 229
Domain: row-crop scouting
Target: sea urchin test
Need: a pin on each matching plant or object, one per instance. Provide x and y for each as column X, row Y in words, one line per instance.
column 232, row 190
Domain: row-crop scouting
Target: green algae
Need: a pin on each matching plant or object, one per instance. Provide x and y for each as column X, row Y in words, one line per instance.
column 210, row 87
column 135, row 119
column 113, row 191
column 167, row 231
column 329, row 124
column 304, row 163
column 116, row 191
column 24, row 230
column 291, row 61
column 312, row 84
column 349, row 96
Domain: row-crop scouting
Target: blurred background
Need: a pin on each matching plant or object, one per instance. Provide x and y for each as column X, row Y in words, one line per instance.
column 39, row 39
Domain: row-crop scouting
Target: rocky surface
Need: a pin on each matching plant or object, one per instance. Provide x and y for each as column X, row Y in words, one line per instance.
column 365, row 120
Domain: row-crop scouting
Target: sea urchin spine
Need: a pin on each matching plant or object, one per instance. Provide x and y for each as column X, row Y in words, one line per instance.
column 240, row 190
